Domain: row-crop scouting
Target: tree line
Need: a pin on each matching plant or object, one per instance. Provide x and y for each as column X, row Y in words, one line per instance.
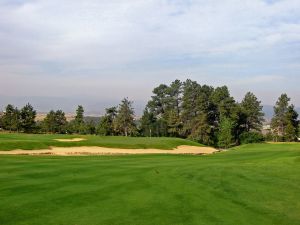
column 186, row 109
column 212, row 116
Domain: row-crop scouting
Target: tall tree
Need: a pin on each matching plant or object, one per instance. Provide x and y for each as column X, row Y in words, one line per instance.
column 191, row 92
column 225, row 137
column 61, row 121
column 174, row 123
column 174, row 97
column 149, row 124
column 292, row 124
column 279, row 118
column 159, row 101
column 78, row 123
column 201, row 131
column 106, row 123
column 49, row 122
column 11, row 118
column 253, row 113
column 27, row 116
column 79, row 114
column 55, row 122
column 124, row 122
column 224, row 104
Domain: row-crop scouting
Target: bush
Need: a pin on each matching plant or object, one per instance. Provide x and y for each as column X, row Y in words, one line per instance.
column 251, row 137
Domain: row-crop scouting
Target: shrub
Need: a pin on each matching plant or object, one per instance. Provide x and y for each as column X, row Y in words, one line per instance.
column 251, row 137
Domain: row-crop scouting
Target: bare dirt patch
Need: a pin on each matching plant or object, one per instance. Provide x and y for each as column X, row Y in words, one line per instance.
column 183, row 149
column 70, row 140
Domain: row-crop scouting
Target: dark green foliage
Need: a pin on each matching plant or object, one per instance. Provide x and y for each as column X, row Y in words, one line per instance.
column 201, row 131
column 253, row 115
column 11, row 118
column 124, row 122
column 225, row 137
column 148, row 126
column 181, row 109
column 55, row 122
column 193, row 111
column 224, row 103
column 90, row 127
column 27, row 119
column 106, row 124
column 78, row 125
column 285, row 122
column 251, row 137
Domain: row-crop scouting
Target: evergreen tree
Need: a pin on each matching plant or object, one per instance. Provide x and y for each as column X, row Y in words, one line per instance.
column 61, row 121
column 201, row 131
column 174, row 92
column 292, row 122
column 49, row 122
column 79, row 124
column 191, row 92
column 27, row 118
column 174, row 123
column 55, row 122
column 11, row 118
column 198, row 115
column 290, row 132
column 224, row 104
column 106, row 123
column 124, row 122
column 149, row 124
column 104, row 127
column 225, row 137
column 253, row 115
column 285, row 120
column 159, row 103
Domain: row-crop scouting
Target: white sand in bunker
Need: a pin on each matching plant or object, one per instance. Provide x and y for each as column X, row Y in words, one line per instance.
column 183, row 149
column 70, row 140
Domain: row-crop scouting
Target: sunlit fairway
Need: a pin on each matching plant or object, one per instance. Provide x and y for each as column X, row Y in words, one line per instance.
column 43, row 141
column 254, row 184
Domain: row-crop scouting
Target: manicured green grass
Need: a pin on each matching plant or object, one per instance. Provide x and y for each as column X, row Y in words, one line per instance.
column 10, row 141
column 252, row 184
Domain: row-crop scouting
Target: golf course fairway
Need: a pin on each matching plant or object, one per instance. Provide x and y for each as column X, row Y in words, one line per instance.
column 251, row 184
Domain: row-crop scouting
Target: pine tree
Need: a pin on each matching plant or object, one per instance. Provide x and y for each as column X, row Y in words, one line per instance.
column 148, row 124
column 225, row 137
column 78, row 123
column 27, row 116
column 106, row 123
column 124, row 122
column 55, row 122
column 253, row 114
column 285, row 121
column 292, row 122
column 8, row 117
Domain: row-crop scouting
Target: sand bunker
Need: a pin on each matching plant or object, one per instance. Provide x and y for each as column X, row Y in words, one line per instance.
column 183, row 149
column 70, row 140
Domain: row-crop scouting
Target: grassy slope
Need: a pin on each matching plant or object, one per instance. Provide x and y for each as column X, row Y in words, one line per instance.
column 255, row 184
column 42, row 141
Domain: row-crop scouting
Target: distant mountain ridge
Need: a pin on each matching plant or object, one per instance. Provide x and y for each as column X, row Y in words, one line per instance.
column 93, row 107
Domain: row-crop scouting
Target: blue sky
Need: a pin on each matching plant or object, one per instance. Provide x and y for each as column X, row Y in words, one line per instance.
column 102, row 51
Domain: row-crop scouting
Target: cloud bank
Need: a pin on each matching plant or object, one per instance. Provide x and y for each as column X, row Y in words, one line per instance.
column 110, row 49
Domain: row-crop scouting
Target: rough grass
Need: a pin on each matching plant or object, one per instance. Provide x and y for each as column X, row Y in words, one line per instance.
column 252, row 184
column 44, row 141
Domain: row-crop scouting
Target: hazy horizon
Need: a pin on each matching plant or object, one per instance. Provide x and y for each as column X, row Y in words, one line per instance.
column 58, row 54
